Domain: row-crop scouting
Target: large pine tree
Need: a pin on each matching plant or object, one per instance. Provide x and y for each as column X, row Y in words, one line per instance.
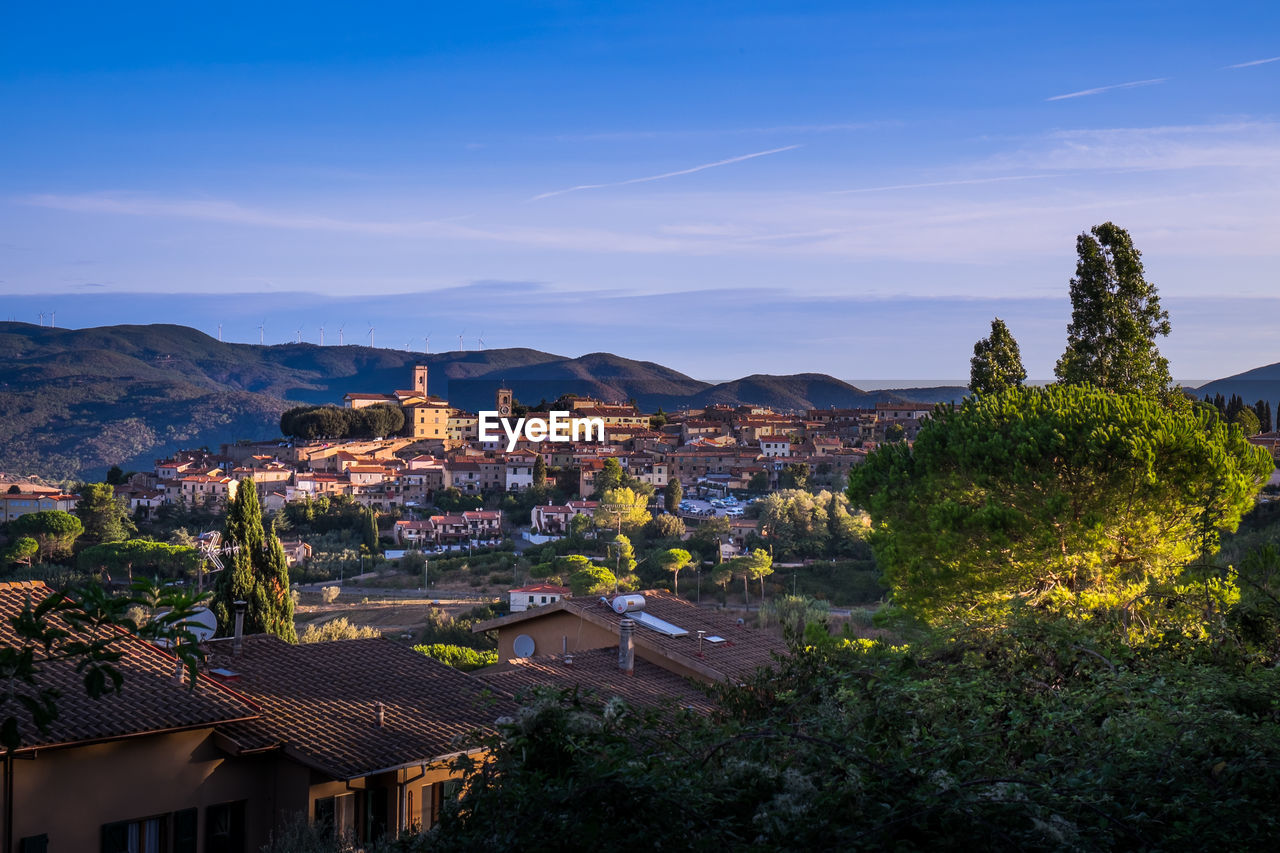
column 1115, row 318
column 257, row 572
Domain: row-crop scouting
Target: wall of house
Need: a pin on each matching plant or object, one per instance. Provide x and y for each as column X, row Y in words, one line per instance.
column 551, row 632
column 69, row 794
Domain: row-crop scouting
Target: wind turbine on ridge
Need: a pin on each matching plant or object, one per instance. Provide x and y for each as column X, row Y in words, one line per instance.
column 371, row 346
column 322, row 336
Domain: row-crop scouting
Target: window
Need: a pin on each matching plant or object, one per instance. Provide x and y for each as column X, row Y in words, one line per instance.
column 145, row 835
column 224, row 828
column 185, row 831
column 34, row 844
column 337, row 814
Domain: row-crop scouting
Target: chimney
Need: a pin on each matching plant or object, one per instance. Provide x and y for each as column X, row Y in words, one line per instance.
column 380, row 714
column 238, row 644
column 626, row 650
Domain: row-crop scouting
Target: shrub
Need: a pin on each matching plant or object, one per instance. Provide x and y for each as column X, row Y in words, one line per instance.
column 458, row 657
column 338, row 629
column 329, row 594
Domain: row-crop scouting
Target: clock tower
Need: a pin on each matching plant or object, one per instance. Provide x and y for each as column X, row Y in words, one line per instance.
column 503, row 400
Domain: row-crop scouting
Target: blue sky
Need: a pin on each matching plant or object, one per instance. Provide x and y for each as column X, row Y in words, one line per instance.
column 725, row 188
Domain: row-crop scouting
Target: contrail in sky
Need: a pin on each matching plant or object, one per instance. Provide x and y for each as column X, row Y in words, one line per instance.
column 665, row 175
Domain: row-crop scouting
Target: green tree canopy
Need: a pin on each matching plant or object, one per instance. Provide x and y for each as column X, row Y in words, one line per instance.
column 622, row 507
column 539, row 472
column 55, row 531
column 140, row 555
column 592, row 580
column 1115, row 318
column 674, row 560
column 997, row 361
column 104, row 516
column 21, row 551
column 1247, row 420
column 1066, row 497
column 257, row 573
column 609, row 477
column 672, row 494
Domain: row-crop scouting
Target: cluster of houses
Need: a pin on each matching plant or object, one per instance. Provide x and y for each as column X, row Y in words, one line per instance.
column 718, row 447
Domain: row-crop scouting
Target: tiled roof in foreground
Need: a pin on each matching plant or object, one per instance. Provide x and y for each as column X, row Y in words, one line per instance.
column 150, row 701
column 742, row 652
column 597, row 670
column 319, row 703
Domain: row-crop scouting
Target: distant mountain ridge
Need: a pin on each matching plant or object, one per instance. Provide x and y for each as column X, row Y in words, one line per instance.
column 79, row 401
column 1260, row 383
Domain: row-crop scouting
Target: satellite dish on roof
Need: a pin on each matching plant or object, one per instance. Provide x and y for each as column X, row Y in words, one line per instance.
column 201, row 623
column 523, row 646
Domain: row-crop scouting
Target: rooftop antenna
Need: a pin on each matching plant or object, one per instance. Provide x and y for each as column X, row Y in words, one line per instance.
column 322, row 336
column 461, row 348
column 341, row 340
column 371, row 336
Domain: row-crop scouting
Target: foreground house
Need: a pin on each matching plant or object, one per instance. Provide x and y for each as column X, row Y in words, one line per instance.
column 362, row 731
column 355, row 734
column 670, row 633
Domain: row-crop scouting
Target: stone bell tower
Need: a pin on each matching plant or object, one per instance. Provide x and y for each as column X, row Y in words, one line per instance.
column 503, row 401
column 420, row 379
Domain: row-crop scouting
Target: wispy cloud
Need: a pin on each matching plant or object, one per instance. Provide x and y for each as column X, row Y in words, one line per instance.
column 628, row 135
column 1254, row 62
column 1131, row 85
column 957, row 183
column 665, row 175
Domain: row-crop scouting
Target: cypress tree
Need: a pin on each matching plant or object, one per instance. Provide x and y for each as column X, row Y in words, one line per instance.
column 257, row 573
column 1262, row 409
column 1115, row 318
column 539, row 472
column 997, row 362
column 371, row 531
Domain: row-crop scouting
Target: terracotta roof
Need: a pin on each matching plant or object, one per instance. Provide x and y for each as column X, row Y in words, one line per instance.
column 744, row 651
column 149, row 701
column 319, row 703
column 597, row 671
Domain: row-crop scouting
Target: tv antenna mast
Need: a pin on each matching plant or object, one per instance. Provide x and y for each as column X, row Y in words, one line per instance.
column 212, row 549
